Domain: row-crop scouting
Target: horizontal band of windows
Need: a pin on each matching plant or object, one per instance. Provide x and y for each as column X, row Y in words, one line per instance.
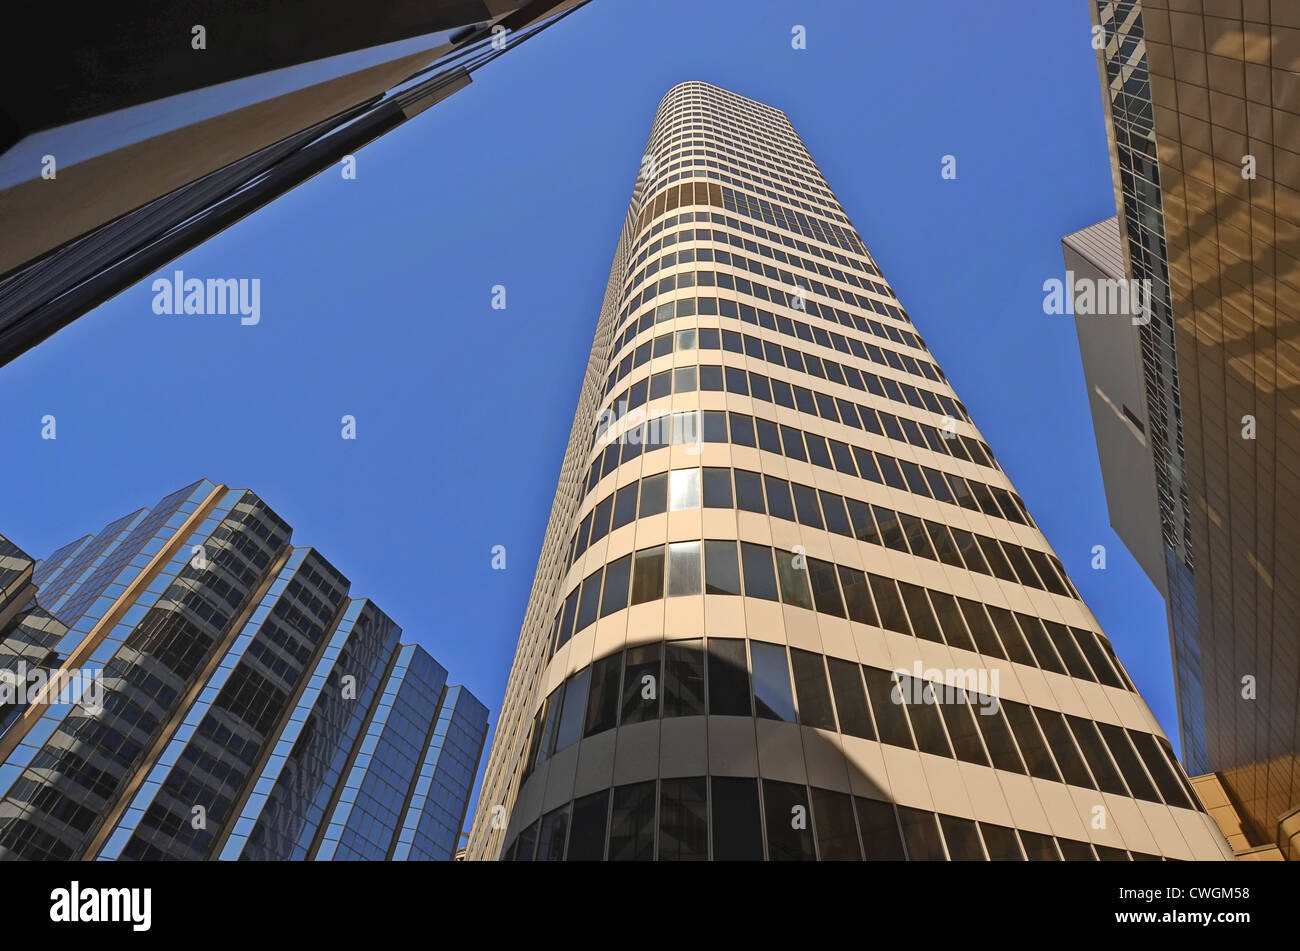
column 686, row 568
column 629, row 438
column 704, row 217
column 966, row 720
column 685, row 489
column 721, row 818
column 710, row 278
column 770, row 351
column 665, row 286
column 748, row 175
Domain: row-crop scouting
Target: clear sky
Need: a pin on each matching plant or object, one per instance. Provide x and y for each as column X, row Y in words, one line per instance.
column 375, row 302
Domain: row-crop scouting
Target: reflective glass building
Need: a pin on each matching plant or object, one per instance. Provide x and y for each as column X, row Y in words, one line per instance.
column 1202, row 102
column 187, row 684
column 788, row 605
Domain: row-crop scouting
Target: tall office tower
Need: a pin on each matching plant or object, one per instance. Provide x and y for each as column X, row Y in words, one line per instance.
column 131, row 133
column 187, row 684
column 1202, row 101
column 788, row 605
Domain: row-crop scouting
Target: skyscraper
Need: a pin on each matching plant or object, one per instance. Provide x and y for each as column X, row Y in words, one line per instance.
column 1202, row 104
column 187, row 684
column 154, row 128
column 788, row 604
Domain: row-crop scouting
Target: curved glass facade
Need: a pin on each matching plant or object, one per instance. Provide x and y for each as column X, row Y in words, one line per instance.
column 788, row 604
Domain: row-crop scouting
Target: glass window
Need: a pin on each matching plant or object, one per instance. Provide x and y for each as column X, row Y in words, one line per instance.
column 836, row 520
column 566, row 622
column 713, row 423
column 684, row 489
column 857, row 596
column 632, row 824
column 921, row 833
column 826, row 590
column 918, row 609
column 760, row 582
column 749, row 491
column 589, row 600
column 1127, row 760
column 721, row 570
column 742, row 427
column 810, row 687
column 963, row 839
column 572, row 710
column 1032, row 745
column 728, row 678
column 1040, row 642
column 959, row 718
column 997, row 739
column 889, row 604
column 1062, row 745
column 617, row 574
column 683, row 820
column 772, row 697
column 550, row 840
column 789, row 831
column 527, row 844
column 684, row 678
column 887, row 704
column 981, row 628
column 737, row 832
column 850, row 701
column 922, row 700
column 625, row 505
column 880, row 837
column 1039, row 847
column 648, row 575
column 602, row 702
column 1002, row 844
column 587, row 836
column 837, row 833
column 794, row 581
column 805, row 500
column 778, row 497
column 641, row 684
column 551, row 724
column 654, row 494
column 717, row 488
column 683, row 569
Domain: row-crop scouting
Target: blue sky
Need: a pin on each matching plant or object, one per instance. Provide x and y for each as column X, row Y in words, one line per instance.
column 375, row 302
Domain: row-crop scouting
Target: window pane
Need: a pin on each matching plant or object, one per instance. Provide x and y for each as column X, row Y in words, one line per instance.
column 717, row 488
column 749, row 491
column 648, row 575
column 632, row 826
column 683, row 569
column 1002, row 844
column 654, row 494
column 551, row 724
column 772, row 697
column 963, row 839
column 589, row 599
column 587, row 837
column 625, row 505
column 959, row 718
column 571, row 714
column 810, row 687
column 684, row 678
column 527, row 844
column 683, row 820
column 721, row 570
column 641, row 684
column 737, row 832
column 857, row 596
column 826, row 590
column 850, row 701
column 760, row 582
column 885, row 701
column 728, row 678
column 889, row 605
column 778, row 497
column 837, row 833
column 550, row 841
column 1032, row 745
column 794, row 581
column 921, row 833
column 997, row 738
column 880, row 837
column 602, row 704
column 617, row 574
column 684, row 489
column 1127, row 760
column 789, row 833
column 1062, row 745
column 922, row 703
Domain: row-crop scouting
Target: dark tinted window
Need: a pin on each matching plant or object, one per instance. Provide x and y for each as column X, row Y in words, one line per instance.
column 728, row 678
column 587, row 835
column 683, row 820
column 737, row 832
column 602, row 703
column 789, row 827
column 684, row 678
column 632, row 824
